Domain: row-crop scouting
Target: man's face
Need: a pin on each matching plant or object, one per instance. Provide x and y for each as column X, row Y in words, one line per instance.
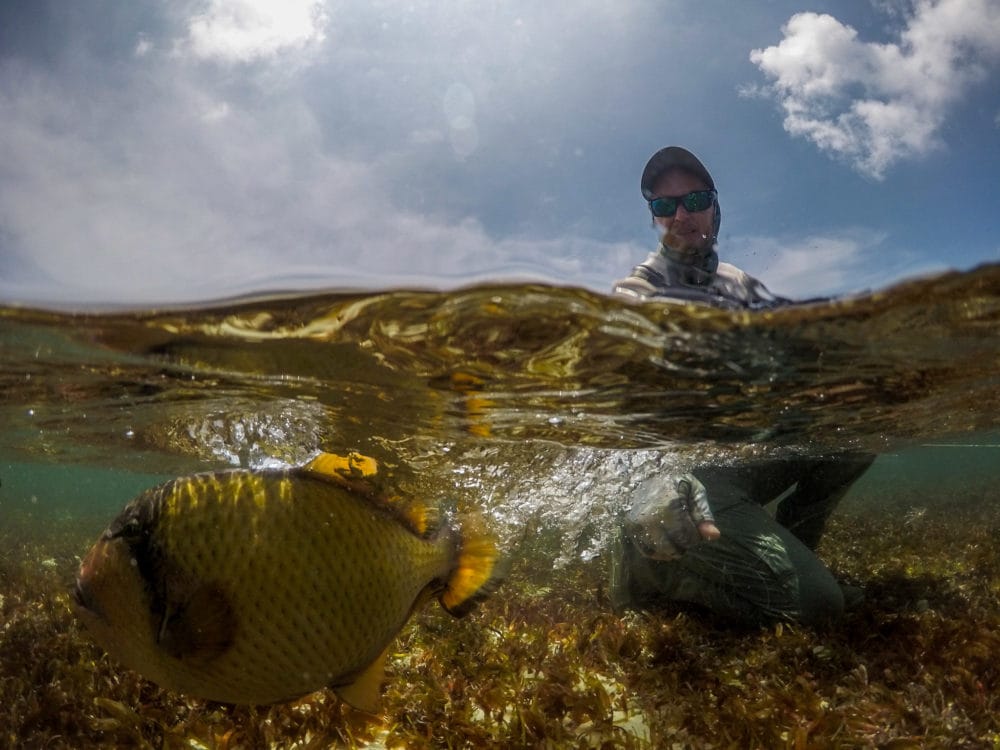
column 684, row 231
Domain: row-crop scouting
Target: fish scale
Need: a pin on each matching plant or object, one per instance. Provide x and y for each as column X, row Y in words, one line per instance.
column 314, row 612
column 259, row 587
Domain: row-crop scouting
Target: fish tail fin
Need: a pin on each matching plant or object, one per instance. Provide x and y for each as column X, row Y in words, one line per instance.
column 479, row 569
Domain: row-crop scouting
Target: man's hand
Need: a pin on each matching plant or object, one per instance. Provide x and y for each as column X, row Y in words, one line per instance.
column 667, row 514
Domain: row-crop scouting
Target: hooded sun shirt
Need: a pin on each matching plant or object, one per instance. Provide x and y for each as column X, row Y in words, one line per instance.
column 665, row 275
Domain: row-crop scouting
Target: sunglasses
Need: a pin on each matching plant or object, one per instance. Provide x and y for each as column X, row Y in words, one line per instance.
column 693, row 202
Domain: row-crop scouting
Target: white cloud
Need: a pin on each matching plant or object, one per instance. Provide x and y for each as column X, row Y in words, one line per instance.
column 147, row 194
column 143, row 46
column 242, row 31
column 877, row 104
column 823, row 265
column 176, row 180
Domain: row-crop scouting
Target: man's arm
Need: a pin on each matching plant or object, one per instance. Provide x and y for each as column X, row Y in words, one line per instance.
column 643, row 283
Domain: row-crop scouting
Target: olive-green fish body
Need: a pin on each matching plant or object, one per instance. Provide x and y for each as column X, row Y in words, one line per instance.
column 259, row 587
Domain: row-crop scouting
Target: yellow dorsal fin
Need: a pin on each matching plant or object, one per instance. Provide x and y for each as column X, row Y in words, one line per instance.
column 358, row 473
column 478, row 570
column 355, row 471
column 352, row 466
column 365, row 692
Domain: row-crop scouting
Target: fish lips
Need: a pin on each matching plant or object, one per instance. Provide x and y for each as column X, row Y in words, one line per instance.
column 92, row 578
column 84, row 599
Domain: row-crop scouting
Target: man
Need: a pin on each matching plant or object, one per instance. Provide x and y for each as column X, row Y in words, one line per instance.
column 705, row 538
column 685, row 206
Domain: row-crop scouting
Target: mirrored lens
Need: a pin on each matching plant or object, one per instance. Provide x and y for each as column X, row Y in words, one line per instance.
column 664, row 207
column 697, row 201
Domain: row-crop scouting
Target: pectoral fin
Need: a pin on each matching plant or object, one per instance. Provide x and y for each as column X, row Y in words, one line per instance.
column 201, row 627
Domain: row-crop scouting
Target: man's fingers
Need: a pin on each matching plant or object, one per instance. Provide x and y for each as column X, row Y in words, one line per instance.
column 709, row 531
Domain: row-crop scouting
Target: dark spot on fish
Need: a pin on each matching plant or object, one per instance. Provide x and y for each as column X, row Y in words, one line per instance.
column 188, row 619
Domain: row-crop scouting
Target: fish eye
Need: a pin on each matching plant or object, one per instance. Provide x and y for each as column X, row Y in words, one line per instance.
column 129, row 529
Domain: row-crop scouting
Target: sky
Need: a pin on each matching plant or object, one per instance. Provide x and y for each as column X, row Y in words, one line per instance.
column 183, row 151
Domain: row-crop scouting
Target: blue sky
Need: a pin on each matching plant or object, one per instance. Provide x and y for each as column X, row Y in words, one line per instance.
column 180, row 151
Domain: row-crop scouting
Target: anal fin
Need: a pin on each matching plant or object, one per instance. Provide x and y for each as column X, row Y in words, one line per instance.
column 364, row 693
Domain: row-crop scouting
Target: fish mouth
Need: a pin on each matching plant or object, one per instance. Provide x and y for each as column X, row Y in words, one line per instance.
column 83, row 594
column 84, row 598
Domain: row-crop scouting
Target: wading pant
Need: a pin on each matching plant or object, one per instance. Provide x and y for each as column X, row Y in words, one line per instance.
column 758, row 571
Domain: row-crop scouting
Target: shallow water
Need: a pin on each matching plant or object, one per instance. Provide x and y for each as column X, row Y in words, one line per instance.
column 522, row 399
column 539, row 405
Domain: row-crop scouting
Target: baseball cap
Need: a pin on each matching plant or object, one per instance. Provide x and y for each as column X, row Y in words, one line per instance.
column 672, row 157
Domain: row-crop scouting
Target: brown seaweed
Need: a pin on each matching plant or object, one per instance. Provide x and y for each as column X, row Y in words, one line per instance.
column 546, row 663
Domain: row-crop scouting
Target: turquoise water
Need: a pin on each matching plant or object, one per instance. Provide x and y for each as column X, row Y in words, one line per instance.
column 62, row 491
column 90, row 496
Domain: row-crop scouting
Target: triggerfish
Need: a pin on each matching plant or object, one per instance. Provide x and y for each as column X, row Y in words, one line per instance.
column 258, row 587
